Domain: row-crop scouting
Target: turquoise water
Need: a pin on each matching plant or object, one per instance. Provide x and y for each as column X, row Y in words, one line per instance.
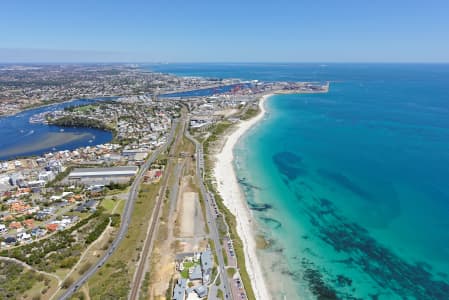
column 351, row 188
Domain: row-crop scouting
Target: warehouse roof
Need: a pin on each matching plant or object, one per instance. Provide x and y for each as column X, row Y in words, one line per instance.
column 116, row 171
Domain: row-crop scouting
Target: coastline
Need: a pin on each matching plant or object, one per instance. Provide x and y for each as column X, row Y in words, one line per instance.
column 234, row 200
column 42, row 105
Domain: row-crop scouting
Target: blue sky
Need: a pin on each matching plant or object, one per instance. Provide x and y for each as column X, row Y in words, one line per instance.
column 225, row 31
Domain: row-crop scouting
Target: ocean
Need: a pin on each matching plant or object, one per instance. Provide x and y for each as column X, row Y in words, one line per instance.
column 350, row 189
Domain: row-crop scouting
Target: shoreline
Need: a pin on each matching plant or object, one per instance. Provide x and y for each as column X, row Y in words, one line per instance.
column 233, row 198
column 37, row 106
column 55, row 139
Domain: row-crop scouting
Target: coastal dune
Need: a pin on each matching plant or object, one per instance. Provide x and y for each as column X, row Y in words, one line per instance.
column 234, row 200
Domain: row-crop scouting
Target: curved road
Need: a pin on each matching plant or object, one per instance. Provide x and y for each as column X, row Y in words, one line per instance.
column 133, row 192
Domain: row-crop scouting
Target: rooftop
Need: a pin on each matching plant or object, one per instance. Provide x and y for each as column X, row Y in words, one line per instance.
column 117, row 171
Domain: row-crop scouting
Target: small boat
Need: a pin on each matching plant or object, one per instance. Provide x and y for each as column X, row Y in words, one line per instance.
column 61, row 130
column 29, row 133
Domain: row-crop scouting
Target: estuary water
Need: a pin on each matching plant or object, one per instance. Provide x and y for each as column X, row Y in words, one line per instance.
column 19, row 137
column 350, row 189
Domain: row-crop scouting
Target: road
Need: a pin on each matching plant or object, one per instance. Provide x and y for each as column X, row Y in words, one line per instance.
column 147, row 248
column 210, row 216
column 133, row 192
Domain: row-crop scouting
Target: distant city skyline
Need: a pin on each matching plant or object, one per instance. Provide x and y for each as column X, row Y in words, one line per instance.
column 231, row 31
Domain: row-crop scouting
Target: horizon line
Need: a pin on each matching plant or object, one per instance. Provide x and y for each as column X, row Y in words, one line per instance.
column 221, row 62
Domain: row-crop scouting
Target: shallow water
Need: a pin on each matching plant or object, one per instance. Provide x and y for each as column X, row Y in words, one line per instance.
column 351, row 188
column 19, row 138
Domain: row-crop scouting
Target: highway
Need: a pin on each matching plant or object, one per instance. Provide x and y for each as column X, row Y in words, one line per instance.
column 126, row 216
column 210, row 216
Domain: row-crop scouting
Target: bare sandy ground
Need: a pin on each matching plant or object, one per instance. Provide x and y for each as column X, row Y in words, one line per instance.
column 229, row 190
column 227, row 112
column 188, row 209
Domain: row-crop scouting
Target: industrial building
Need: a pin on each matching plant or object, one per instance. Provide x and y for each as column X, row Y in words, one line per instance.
column 102, row 175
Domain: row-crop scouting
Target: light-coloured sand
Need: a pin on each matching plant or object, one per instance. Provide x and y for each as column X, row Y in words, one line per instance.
column 188, row 212
column 227, row 112
column 229, row 190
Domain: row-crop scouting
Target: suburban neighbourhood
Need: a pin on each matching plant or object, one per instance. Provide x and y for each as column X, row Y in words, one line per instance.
column 71, row 216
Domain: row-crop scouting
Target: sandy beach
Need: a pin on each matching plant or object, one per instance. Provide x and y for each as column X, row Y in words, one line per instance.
column 234, row 200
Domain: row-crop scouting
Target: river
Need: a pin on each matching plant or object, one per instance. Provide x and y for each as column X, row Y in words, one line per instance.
column 19, row 137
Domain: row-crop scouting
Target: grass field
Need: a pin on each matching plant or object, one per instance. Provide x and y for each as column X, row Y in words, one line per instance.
column 108, row 205
column 84, row 108
column 120, row 207
column 112, row 281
